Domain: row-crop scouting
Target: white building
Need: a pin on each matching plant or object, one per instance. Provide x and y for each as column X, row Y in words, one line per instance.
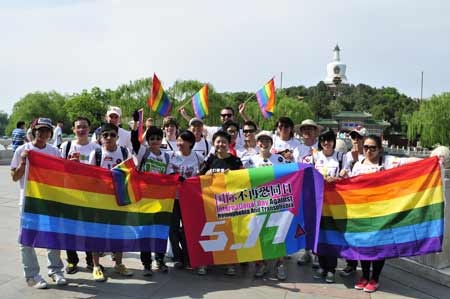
column 336, row 69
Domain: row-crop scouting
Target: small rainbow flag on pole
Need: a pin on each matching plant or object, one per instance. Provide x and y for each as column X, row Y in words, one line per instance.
column 141, row 125
column 266, row 98
column 200, row 102
column 159, row 101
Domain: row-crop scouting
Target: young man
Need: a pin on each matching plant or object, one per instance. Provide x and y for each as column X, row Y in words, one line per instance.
column 201, row 146
column 42, row 131
column 107, row 157
column 19, row 136
column 79, row 150
column 170, row 127
column 113, row 116
column 249, row 148
column 57, row 134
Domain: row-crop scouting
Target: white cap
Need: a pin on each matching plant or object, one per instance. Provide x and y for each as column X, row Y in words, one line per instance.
column 264, row 133
column 361, row 131
column 114, row 110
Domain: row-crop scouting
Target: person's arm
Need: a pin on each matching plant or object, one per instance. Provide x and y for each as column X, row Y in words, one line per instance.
column 244, row 115
column 135, row 133
column 18, row 172
column 184, row 114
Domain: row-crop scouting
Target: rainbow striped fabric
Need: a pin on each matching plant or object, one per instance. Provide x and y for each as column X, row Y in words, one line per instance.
column 125, row 187
column 141, row 125
column 393, row 213
column 200, row 102
column 251, row 214
column 69, row 205
column 266, row 98
column 159, row 101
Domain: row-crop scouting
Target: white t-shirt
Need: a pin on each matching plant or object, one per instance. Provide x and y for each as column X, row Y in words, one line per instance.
column 57, row 136
column 292, row 144
column 108, row 159
column 84, row 150
column 387, row 162
column 246, row 153
column 258, row 161
column 153, row 163
column 329, row 166
column 306, row 153
column 202, row 147
column 187, row 166
column 48, row 149
column 349, row 160
column 169, row 145
column 123, row 140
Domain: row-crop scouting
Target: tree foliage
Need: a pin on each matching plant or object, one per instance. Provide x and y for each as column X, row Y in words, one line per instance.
column 3, row 122
column 432, row 121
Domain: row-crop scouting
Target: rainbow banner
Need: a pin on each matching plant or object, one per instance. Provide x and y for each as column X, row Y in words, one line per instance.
column 69, row 205
column 393, row 213
column 251, row 214
column 141, row 125
column 159, row 101
column 266, row 98
column 200, row 102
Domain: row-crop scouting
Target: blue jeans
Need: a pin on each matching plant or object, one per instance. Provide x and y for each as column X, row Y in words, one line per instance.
column 31, row 265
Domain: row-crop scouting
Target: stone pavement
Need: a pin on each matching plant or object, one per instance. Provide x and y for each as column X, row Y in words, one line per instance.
column 395, row 283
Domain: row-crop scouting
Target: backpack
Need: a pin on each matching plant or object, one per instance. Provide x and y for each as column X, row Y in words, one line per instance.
column 98, row 155
column 145, row 156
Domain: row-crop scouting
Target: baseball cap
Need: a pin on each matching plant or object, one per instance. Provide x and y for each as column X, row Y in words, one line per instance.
column 114, row 110
column 361, row 131
column 195, row 121
column 43, row 123
column 265, row 134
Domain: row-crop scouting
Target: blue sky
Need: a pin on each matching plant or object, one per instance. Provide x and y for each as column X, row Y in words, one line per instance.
column 68, row 46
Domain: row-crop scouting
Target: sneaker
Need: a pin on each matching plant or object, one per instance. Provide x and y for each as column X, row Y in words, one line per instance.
column 261, row 269
column 347, row 271
column 281, row 272
column 304, row 258
column 231, row 271
column 59, row 279
column 315, row 262
column 37, row 282
column 201, row 270
column 162, row 267
column 361, row 284
column 90, row 267
column 371, row 286
column 122, row 270
column 148, row 271
column 319, row 273
column 330, row 278
column 98, row 275
column 71, row 268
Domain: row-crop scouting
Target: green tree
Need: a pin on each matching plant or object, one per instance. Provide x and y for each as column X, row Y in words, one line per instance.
column 39, row 104
column 3, row 122
column 431, row 123
column 86, row 104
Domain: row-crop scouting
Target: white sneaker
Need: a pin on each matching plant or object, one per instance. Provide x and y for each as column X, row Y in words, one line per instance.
column 231, row 270
column 59, row 279
column 201, row 270
column 315, row 262
column 304, row 258
column 281, row 272
column 261, row 269
column 37, row 282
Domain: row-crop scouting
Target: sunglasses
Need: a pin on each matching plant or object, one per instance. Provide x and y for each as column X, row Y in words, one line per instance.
column 231, row 132
column 109, row 134
column 281, row 126
column 155, row 138
column 226, row 115
column 370, row 148
column 248, row 131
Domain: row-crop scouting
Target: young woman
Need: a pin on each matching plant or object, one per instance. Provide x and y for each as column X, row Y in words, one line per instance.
column 284, row 142
column 187, row 163
column 266, row 158
column 329, row 163
column 220, row 161
column 232, row 128
column 170, row 127
column 374, row 161
column 249, row 148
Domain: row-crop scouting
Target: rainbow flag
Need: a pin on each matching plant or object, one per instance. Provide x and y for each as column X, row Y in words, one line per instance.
column 141, row 125
column 393, row 213
column 159, row 101
column 266, row 98
column 251, row 214
column 125, row 187
column 69, row 205
column 200, row 102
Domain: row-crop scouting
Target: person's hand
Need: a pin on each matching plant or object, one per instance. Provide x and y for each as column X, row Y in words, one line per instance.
column 241, row 108
column 136, row 115
column 182, row 111
column 355, row 152
column 209, row 172
column 24, row 155
column 343, row 173
column 288, row 155
column 330, row 179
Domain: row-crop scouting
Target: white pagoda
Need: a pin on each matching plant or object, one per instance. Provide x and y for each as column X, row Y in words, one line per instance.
column 336, row 70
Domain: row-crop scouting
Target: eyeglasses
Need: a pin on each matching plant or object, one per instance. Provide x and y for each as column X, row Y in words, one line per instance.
column 248, row 131
column 155, row 138
column 109, row 134
column 281, row 126
column 370, row 148
column 226, row 115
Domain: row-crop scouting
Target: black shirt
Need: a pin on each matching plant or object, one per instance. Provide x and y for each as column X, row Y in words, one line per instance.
column 216, row 164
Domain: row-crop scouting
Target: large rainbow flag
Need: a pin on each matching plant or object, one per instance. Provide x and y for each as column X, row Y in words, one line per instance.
column 73, row 206
column 159, row 101
column 266, row 98
column 200, row 102
column 251, row 214
column 393, row 213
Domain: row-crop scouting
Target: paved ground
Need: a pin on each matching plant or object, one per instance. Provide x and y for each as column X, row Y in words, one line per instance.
column 182, row 283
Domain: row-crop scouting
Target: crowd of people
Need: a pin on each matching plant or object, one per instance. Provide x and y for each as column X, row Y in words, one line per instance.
column 199, row 150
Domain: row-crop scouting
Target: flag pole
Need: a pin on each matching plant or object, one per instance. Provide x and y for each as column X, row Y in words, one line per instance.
column 249, row 98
